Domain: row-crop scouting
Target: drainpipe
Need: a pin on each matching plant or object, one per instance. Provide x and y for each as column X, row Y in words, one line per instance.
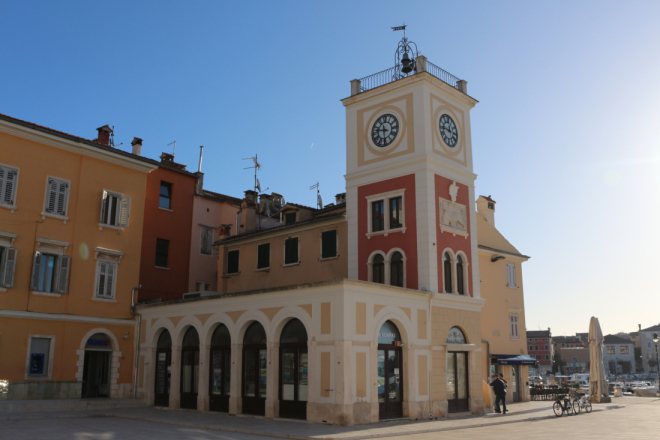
column 139, row 336
column 431, row 372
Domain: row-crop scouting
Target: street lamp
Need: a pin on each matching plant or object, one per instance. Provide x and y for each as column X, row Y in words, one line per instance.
column 657, row 364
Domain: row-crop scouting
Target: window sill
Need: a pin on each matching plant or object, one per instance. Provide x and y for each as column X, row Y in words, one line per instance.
column 329, row 258
column 227, row 275
column 52, row 295
column 119, row 229
column 263, row 269
column 386, row 232
column 512, row 287
column 206, row 255
column 57, row 216
column 291, row 264
column 165, row 209
column 162, row 268
column 11, row 207
column 2, row 289
column 105, row 300
column 515, row 339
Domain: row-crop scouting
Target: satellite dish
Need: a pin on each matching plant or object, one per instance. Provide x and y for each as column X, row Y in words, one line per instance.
column 283, row 202
column 320, row 201
column 258, row 185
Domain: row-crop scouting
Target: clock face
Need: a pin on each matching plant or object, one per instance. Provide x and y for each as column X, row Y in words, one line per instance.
column 385, row 130
column 448, row 131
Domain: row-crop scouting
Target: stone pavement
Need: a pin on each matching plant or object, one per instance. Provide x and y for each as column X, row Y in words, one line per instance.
column 527, row 413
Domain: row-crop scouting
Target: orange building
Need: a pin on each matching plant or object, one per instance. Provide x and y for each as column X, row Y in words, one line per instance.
column 71, row 215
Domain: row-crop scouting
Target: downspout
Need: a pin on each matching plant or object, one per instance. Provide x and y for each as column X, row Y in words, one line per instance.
column 431, row 372
column 139, row 336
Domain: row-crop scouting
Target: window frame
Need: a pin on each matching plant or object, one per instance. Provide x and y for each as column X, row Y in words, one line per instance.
column 514, row 324
column 511, row 274
column 258, row 253
column 387, row 266
column 49, row 367
column 113, row 287
column 295, row 217
column 119, row 225
column 167, row 256
column 336, row 231
column 8, row 168
column 4, row 255
column 55, row 215
column 169, row 208
column 297, row 238
column 238, row 262
column 202, row 229
column 385, row 197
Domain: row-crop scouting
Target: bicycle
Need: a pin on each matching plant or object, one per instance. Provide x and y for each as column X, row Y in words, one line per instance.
column 584, row 403
column 563, row 405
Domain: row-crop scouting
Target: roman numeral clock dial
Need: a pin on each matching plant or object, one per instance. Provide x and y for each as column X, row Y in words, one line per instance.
column 385, row 130
column 448, row 131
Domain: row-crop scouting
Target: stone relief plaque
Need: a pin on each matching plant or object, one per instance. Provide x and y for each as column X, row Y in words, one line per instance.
column 453, row 215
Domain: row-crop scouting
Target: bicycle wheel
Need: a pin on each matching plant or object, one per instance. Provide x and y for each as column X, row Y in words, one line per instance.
column 587, row 406
column 568, row 407
column 557, row 408
column 576, row 407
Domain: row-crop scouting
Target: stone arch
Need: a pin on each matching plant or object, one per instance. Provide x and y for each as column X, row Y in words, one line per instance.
column 398, row 317
column 182, row 327
column 370, row 260
column 212, row 323
column 284, row 316
column 158, row 327
column 244, row 322
column 114, row 361
column 465, row 334
column 466, row 265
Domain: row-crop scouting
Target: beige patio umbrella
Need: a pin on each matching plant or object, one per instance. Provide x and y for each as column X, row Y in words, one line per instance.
column 598, row 389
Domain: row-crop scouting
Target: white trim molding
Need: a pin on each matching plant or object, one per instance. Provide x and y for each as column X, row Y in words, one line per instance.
column 19, row 314
column 386, row 197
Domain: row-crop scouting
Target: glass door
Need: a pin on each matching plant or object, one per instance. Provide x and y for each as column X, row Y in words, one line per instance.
column 220, row 370
column 189, row 369
column 293, row 370
column 390, row 382
column 457, row 382
column 163, row 370
column 255, row 370
column 514, row 382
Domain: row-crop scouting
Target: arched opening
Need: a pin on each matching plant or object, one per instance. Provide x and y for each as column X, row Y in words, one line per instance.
column 189, row 369
column 220, row 369
column 163, row 369
column 293, row 370
column 96, row 371
column 457, row 373
column 378, row 269
column 390, row 372
column 396, row 269
column 255, row 364
column 459, row 275
column 447, row 271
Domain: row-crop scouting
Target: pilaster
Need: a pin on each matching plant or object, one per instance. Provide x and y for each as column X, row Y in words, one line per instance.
column 235, row 383
column 272, row 380
column 203, row 378
column 427, row 254
column 175, row 378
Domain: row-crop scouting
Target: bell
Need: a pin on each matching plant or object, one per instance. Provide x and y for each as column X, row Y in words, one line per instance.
column 407, row 64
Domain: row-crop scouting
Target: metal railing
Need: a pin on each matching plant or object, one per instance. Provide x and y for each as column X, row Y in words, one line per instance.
column 394, row 74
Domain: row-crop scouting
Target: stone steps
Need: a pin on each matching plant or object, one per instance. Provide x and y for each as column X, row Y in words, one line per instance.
column 13, row 406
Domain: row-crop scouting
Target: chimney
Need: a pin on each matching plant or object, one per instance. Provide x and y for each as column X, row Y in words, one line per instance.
column 199, row 183
column 248, row 212
column 486, row 207
column 201, row 150
column 340, row 198
column 137, row 146
column 225, row 231
column 104, row 135
column 640, row 327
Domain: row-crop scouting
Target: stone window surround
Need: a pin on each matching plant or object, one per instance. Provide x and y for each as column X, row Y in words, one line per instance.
column 49, row 373
column 387, row 260
column 112, row 256
column 454, row 281
column 385, row 197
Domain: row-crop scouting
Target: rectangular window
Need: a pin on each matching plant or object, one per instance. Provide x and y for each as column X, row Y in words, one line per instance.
column 546, row 347
column 205, row 240
column 289, row 218
column 610, row 349
column 538, row 357
column 7, row 266
column 8, row 184
column 648, row 345
column 50, row 273
column 115, row 209
column 547, row 357
column 377, row 216
column 39, row 357
column 263, row 256
column 57, row 196
column 513, row 319
column 291, row 250
column 623, row 349
column 165, row 200
column 531, row 348
column 536, row 347
column 511, row 274
column 232, row 261
column 396, row 208
column 329, row 244
column 162, row 252
column 202, row 286
column 105, row 279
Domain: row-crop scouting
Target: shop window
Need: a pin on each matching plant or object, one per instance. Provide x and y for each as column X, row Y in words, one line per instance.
column 329, row 244
column 291, row 251
column 263, row 256
column 165, row 199
column 232, row 261
column 162, row 252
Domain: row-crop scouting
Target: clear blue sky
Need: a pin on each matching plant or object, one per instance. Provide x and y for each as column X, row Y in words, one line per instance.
column 565, row 136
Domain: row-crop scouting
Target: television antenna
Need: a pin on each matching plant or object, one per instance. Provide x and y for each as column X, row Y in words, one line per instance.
column 319, row 201
column 173, row 148
column 257, row 166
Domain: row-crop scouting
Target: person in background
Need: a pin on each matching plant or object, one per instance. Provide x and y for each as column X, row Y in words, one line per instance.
column 499, row 388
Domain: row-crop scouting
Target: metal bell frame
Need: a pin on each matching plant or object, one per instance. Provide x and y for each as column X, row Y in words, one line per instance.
column 403, row 62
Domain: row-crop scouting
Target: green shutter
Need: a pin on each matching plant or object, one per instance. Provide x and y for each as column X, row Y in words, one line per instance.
column 329, row 244
column 232, row 261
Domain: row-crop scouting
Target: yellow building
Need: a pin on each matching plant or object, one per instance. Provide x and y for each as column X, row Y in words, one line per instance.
column 503, row 319
column 71, row 215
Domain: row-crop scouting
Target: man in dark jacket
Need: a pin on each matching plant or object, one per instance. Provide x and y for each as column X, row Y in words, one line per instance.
column 499, row 387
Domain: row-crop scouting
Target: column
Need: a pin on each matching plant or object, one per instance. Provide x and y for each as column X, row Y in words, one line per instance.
column 150, row 380
column 272, row 380
column 312, row 377
column 235, row 399
column 372, row 379
column 175, row 378
column 343, row 387
column 203, row 381
column 427, row 252
column 409, row 377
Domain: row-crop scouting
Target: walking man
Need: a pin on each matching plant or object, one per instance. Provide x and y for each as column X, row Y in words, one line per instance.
column 499, row 387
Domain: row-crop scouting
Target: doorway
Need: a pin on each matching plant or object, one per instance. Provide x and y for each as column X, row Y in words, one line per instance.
column 163, row 369
column 515, row 380
column 96, row 369
column 293, row 371
column 390, row 372
column 189, row 369
column 255, row 364
column 457, row 388
column 220, row 370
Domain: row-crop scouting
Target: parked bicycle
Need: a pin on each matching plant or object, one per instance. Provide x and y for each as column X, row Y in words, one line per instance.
column 584, row 403
column 563, row 405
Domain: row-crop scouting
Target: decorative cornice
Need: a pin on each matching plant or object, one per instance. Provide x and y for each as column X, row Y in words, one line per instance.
column 20, row 314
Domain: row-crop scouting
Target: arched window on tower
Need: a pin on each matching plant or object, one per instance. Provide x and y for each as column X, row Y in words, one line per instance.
column 396, row 269
column 447, row 271
column 378, row 269
column 459, row 275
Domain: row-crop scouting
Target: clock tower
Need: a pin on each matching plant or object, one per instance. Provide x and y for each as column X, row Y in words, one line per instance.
column 409, row 179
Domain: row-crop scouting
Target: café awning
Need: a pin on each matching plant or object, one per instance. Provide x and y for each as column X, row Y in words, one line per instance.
column 512, row 359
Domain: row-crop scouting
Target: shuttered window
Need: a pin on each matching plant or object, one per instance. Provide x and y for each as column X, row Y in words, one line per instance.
column 57, row 196
column 232, row 261
column 513, row 318
column 162, row 252
column 329, row 244
column 8, row 182
column 105, row 282
column 511, row 274
column 205, row 240
column 50, row 273
column 291, row 250
column 263, row 256
column 7, row 266
column 289, row 218
column 115, row 209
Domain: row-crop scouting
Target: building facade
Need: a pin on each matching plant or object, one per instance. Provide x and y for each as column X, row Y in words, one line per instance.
column 540, row 346
column 643, row 340
column 618, row 355
column 71, row 215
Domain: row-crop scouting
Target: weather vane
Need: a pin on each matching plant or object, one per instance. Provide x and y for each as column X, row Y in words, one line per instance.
column 402, row 61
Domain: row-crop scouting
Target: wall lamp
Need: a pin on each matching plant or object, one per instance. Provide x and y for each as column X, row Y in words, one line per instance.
column 494, row 259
